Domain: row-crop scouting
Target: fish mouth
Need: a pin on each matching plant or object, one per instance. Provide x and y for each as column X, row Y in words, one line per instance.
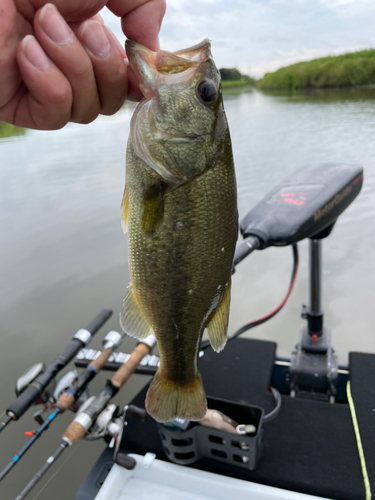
column 169, row 62
column 137, row 53
column 151, row 69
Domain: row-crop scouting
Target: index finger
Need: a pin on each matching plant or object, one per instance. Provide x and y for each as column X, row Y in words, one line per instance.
column 140, row 19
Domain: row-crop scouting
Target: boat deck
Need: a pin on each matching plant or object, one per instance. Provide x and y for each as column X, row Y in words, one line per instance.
column 309, row 447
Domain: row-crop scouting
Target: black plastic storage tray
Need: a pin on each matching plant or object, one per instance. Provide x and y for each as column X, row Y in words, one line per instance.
column 187, row 446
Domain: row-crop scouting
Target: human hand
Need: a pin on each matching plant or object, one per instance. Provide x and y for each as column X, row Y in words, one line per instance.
column 59, row 63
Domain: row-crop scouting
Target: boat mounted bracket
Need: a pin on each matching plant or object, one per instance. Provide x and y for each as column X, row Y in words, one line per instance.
column 314, row 366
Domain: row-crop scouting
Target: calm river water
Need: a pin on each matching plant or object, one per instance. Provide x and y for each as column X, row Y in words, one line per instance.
column 63, row 255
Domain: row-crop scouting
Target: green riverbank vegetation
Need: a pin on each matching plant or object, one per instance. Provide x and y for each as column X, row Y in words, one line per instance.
column 8, row 130
column 232, row 78
column 346, row 70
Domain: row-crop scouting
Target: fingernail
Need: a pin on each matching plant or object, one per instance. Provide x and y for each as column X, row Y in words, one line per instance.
column 55, row 26
column 34, row 53
column 95, row 38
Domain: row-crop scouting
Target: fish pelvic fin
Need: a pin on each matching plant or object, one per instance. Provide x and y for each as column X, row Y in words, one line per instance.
column 132, row 320
column 153, row 207
column 125, row 210
column 167, row 400
column 218, row 326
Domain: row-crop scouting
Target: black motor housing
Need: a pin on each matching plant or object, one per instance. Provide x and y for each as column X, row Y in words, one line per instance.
column 304, row 204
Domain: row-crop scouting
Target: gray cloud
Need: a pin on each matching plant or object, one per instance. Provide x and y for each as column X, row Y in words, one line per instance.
column 262, row 35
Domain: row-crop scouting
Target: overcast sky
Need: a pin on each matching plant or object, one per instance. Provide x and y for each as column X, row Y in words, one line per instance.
column 257, row 36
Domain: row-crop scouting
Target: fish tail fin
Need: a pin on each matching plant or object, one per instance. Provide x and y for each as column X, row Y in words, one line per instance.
column 167, row 400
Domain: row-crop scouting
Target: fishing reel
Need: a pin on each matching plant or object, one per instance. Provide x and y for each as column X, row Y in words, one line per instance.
column 63, row 385
column 116, row 429
column 53, row 390
column 109, row 423
column 110, row 426
column 28, row 377
column 99, row 429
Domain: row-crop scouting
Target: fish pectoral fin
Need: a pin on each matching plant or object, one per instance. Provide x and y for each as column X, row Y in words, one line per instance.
column 125, row 210
column 132, row 320
column 153, row 207
column 218, row 326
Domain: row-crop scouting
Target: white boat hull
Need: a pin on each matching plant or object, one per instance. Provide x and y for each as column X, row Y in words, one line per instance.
column 161, row 480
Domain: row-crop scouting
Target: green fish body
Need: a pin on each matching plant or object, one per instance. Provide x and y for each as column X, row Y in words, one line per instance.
column 180, row 211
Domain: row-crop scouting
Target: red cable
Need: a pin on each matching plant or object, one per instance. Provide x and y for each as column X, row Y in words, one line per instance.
column 259, row 321
column 291, row 286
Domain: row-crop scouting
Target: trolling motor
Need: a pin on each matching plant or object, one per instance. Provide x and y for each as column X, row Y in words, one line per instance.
column 305, row 205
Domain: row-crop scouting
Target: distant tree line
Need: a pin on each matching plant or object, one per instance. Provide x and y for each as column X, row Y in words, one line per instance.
column 232, row 74
column 344, row 70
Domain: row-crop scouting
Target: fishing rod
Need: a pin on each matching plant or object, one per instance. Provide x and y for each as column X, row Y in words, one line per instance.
column 36, row 388
column 87, row 417
column 111, row 342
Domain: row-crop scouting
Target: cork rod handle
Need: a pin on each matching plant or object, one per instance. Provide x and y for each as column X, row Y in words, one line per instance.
column 76, row 431
column 66, row 400
column 128, row 368
column 101, row 360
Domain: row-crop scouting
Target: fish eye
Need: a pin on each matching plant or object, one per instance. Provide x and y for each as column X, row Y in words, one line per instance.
column 207, row 90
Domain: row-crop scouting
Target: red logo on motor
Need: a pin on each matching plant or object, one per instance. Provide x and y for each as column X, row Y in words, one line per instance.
column 292, row 198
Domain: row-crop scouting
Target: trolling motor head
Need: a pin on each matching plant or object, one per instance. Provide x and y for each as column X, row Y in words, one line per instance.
column 305, row 205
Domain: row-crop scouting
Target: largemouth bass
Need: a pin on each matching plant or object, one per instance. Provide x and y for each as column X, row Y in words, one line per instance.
column 180, row 210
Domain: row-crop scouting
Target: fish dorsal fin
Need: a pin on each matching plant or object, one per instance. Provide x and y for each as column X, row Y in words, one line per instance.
column 125, row 210
column 132, row 320
column 218, row 326
column 153, row 207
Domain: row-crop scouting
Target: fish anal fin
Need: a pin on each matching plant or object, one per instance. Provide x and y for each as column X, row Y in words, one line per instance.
column 153, row 207
column 132, row 320
column 125, row 210
column 218, row 326
column 167, row 400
